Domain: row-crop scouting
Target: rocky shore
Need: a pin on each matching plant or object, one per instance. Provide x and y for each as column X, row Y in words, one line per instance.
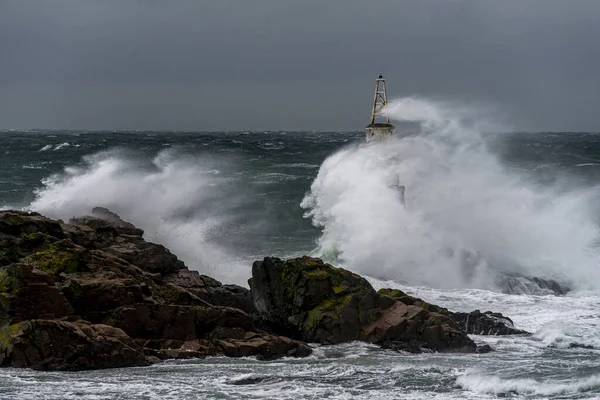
column 92, row 293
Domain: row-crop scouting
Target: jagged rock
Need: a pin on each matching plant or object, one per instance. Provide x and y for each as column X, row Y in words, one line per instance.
column 475, row 322
column 60, row 257
column 28, row 293
column 196, row 331
column 265, row 346
column 487, row 323
column 93, row 297
column 122, row 239
column 103, row 220
column 402, row 297
column 24, row 233
column 212, row 291
column 484, row 349
column 308, row 299
column 517, row 284
column 101, row 269
column 155, row 321
column 150, row 257
column 62, row 345
column 21, row 223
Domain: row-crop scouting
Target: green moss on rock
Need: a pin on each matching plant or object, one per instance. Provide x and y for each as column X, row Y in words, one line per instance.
column 5, row 281
column 57, row 259
column 7, row 334
column 14, row 219
column 332, row 306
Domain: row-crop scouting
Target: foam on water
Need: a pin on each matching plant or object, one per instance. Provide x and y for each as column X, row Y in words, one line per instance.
column 482, row 383
column 62, row 146
column 466, row 216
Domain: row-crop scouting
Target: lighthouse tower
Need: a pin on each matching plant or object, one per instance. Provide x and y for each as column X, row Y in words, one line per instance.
column 379, row 128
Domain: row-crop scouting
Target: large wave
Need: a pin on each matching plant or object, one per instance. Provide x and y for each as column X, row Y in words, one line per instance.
column 466, row 219
column 183, row 202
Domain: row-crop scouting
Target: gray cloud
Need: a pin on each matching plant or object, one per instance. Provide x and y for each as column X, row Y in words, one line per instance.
column 278, row 64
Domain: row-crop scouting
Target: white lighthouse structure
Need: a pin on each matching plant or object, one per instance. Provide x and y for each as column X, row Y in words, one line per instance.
column 379, row 127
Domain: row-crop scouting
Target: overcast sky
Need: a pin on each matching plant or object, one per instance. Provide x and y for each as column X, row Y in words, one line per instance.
column 293, row 64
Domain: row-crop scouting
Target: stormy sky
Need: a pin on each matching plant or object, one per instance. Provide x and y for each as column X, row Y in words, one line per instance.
column 293, row 65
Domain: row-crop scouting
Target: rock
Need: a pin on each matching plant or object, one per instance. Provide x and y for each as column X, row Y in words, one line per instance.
column 60, row 257
column 518, row 284
column 402, row 297
column 195, row 331
column 487, row 323
column 265, row 347
column 155, row 321
column 101, row 269
column 307, row 299
column 93, row 297
column 484, row 349
column 103, row 220
column 28, row 293
column 67, row 346
column 150, row 257
column 211, row 290
column 475, row 322
column 21, row 223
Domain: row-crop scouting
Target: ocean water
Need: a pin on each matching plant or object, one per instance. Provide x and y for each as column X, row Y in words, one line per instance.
column 512, row 203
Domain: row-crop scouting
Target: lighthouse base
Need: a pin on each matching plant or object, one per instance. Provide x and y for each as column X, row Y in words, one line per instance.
column 376, row 132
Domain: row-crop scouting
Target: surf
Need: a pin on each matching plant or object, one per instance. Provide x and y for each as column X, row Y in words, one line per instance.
column 468, row 219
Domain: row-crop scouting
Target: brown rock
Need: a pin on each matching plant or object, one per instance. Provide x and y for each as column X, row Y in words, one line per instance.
column 211, row 290
column 313, row 301
column 61, row 345
column 28, row 293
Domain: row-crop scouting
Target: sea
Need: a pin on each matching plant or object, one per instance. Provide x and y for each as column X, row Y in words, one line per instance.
column 481, row 202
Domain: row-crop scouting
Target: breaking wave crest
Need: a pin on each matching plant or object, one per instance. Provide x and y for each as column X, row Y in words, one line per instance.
column 480, row 383
column 467, row 219
column 180, row 201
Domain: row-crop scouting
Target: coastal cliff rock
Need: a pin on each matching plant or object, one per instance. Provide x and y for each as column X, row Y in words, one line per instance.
column 310, row 300
column 94, row 294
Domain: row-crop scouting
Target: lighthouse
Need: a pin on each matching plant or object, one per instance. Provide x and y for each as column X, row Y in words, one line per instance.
column 379, row 127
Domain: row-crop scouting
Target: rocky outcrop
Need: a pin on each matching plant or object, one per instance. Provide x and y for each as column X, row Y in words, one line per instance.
column 29, row 293
column 486, row 323
column 211, row 290
column 475, row 322
column 94, row 294
column 519, row 284
column 313, row 301
column 62, row 345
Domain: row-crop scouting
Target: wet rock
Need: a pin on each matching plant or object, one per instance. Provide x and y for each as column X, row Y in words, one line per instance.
column 103, row 220
column 484, row 349
column 28, row 293
column 21, row 223
column 517, row 284
column 475, row 322
column 486, row 323
column 70, row 346
column 402, row 297
column 316, row 302
column 211, row 290
column 60, row 258
column 264, row 346
column 156, row 321
column 100, row 268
